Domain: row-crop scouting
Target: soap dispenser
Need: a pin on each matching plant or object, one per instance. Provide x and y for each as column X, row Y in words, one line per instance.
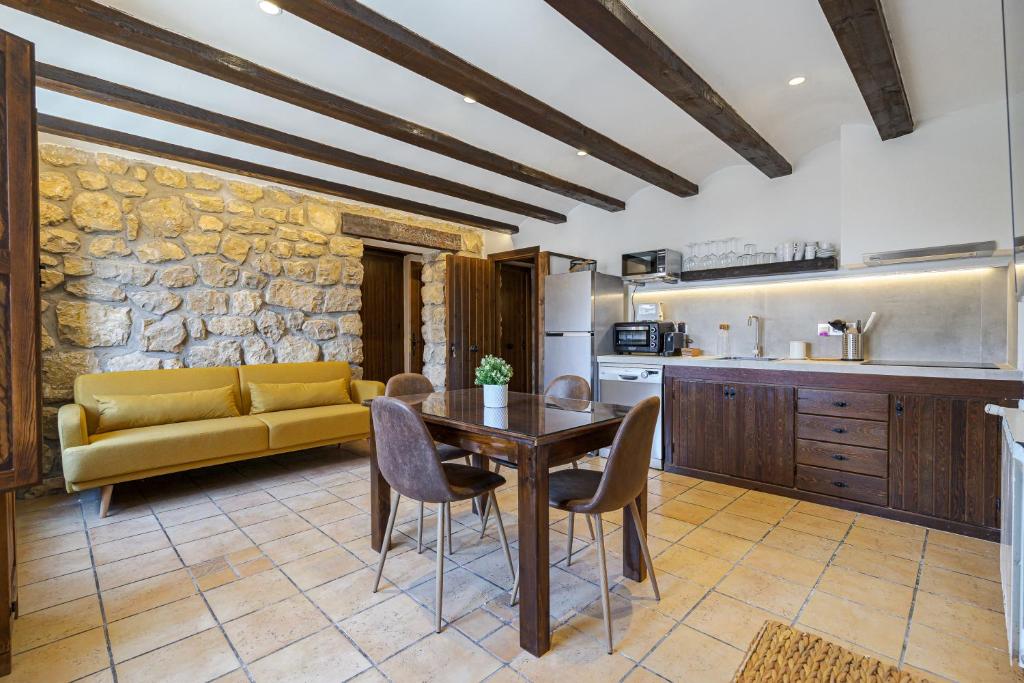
column 723, row 348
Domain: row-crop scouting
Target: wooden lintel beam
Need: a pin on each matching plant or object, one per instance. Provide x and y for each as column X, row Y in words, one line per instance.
column 863, row 36
column 135, row 143
column 140, row 102
column 362, row 26
column 613, row 26
column 127, row 31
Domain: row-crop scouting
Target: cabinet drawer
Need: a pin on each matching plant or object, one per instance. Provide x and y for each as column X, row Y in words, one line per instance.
column 856, row 459
column 843, row 430
column 843, row 484
column 858, row 404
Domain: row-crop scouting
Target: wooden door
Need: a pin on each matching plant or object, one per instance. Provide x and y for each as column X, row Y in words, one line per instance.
column 383, row 314
column 699, row 414
column 763, row 437
column 415, row 322
column 516, row 338
column 470, row 317
column 944, row 458
column 20, row 393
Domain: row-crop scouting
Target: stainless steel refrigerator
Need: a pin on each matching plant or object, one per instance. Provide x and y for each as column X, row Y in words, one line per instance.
column 579, row 311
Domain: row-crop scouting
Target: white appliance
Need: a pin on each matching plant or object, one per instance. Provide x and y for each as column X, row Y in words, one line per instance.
column 1011, row 566
column 627, row 385
column 579, row 311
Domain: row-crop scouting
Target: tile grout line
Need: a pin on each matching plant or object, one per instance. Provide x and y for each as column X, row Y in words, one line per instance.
column 99, row 594
column 913, row 601
column 829, row 563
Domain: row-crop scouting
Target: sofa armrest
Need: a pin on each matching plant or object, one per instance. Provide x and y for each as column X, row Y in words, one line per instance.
column 364, row 389
column 72, row 426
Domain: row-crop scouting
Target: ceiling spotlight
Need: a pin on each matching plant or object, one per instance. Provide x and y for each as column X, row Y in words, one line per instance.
column 580, row 153
column 269, row 7
column 797, row 80
column 468, row 100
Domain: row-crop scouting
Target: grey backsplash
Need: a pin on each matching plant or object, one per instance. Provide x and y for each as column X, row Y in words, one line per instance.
column 952, row 316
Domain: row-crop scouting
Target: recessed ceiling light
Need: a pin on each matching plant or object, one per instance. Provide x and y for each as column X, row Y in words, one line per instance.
column 580, row 153
column 269, row 7
column 468, row 100
column 797, row 80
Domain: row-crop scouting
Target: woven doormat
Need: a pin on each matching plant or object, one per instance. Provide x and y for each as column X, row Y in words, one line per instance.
column 782, row 653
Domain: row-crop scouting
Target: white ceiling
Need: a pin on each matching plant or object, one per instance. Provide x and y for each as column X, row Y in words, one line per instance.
column 949, row 52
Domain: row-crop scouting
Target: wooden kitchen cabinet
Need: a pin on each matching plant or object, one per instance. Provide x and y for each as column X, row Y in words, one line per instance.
column 737, row 429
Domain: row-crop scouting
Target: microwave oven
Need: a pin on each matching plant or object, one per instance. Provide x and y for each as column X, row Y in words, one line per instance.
column 645, row 336
column 652, row 266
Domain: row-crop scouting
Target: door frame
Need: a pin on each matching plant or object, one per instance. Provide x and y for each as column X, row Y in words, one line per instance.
column 541, row 261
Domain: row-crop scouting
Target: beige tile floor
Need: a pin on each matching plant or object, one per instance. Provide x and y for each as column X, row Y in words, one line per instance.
column 261, row 571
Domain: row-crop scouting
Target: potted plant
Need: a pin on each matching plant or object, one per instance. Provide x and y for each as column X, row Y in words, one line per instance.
column 494, row 374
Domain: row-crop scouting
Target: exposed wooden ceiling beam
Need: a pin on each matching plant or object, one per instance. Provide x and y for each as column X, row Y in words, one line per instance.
column 863, row 35
column 617, row 29
column 378, row 34
column 135, row 143
column 123, row 29
column 140, row 102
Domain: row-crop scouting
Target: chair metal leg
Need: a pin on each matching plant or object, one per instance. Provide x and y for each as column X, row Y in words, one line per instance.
column 493, row 499
column 442, row 514
column 572, row 521
column 448, row 523
column 514, row 598
column 591, row 527
column 642, row 533
column 605, row 600
column 487, row 510
column 419, row 531
column 387, row 541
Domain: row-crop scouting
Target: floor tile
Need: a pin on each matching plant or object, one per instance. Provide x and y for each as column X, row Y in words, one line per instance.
column 667, row 528
column 964, row 563
column 866, row 626
column 976, row 624
column 137, row 568
column 816, row 526
column 721, row 489
column 202, row 657
column 43, row 594
column 745, row 507
column 685, row 512
column 188, row 514
column 868, row 590
column 573, row 655
column 799, row 543
column 55, row 545
column 332, row 512
column 716, row 543
column 65, row 660
column 828, row 512
column 105, row 553
column 503, row 644
column 119, row 530
column 297, row 545
column 53, row 566
column 200, row 528
column 312, row 499
column 440, row 657
column 888, row 544
column 350, row 594
column 54, row 623
column 693, row 565
column 980, row 592
column 157, row 627
column 384, row 629
column 689, row 655
column 890, row 526
column 960, row 542
column 737, row 525
column 764, row 590
column 146, row 594
column 276, row 528
column 204, row 549
column 704, row 498
column 323, row 657
column 636, row 629
column 793, row 568
column 319, row 568
column 247, row 595
column 934, row 651
column 477, row 624
column 258, row 634
column 728, row 619
column 872, row 563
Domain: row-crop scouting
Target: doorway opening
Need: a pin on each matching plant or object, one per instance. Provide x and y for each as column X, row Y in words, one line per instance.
column 383, row 313
column 517, row 321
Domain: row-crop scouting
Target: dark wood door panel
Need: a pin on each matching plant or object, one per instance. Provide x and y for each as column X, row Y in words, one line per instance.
column 857, row 459
column 383, row 314
column 858, row 404
column 471, row 317
column 868, row 433
column 766, row 432
column 415, row 324
column 515, row 323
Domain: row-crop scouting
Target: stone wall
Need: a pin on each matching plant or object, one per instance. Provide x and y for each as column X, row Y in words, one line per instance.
column 147, row 266
column 435, row 342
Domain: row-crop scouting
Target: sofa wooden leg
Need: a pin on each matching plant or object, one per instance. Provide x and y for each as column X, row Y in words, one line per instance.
column 105, row 495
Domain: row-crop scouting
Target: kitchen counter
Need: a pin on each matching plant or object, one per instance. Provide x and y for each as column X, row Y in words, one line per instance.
column 1005, row 372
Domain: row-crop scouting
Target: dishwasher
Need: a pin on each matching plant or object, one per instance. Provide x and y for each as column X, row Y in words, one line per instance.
column 627, row 385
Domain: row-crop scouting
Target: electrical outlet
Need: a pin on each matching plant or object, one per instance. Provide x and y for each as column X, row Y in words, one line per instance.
column 826, row 330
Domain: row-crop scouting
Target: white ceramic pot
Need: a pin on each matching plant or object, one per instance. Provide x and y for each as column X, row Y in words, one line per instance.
column 495, row 395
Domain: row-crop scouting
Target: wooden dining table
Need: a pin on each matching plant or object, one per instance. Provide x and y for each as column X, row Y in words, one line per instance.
column 533, row 434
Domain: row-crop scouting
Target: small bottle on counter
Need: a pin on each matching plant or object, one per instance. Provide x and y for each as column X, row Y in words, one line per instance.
column 723, row 348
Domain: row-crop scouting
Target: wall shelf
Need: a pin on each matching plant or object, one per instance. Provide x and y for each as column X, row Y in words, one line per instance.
column 762, row 270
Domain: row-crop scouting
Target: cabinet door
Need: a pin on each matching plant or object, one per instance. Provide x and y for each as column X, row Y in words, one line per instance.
column 698, row 434
column 762, row 433
column 944, row 456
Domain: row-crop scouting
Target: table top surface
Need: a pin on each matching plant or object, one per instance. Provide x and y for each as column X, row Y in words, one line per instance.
column 530, row 415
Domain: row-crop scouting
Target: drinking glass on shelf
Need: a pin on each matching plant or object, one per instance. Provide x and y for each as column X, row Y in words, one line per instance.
column 718, row 251
column 748, row 258
column 731, row 257
column 691, row 261
column 708, row 259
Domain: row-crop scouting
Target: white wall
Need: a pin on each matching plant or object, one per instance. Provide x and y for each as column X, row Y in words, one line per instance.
column 946, row 182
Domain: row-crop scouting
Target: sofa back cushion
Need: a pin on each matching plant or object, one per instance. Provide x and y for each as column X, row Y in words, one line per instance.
column 147, row 382
column 127, row 411
column 287, row 373
column 269, row 398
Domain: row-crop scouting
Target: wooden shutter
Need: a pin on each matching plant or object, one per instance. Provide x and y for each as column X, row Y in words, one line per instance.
column 471, row 318
column 20, row 427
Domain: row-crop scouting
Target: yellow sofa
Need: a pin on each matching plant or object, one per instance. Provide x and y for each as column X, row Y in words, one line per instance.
column 94, row 459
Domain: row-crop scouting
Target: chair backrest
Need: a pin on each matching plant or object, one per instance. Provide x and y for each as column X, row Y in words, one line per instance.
column 408, row 383
column 406, row 454
column 569, row 386
column 629, row 458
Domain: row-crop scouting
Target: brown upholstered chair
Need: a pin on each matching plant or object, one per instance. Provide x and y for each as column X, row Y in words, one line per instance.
column 564, row 386
column 408, row 461
column 408, row 384
column 594, row 493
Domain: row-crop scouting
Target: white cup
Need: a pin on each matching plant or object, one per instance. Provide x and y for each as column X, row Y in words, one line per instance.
column 787, row 251
column 799, row 350
column 810, row 251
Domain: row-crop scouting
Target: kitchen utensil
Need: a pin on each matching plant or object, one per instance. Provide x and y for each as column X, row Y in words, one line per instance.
column 799, row 350
column 871, row 320
column 810, row 251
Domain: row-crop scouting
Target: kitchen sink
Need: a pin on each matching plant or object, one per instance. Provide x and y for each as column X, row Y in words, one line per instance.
column 745, row 358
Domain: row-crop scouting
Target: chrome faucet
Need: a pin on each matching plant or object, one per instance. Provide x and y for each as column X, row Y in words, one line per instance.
column 758, row 341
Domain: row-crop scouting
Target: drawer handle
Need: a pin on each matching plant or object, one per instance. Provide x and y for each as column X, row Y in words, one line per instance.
column 839, row 456
column 839, row 430
column 840, row 404
column 839, row 484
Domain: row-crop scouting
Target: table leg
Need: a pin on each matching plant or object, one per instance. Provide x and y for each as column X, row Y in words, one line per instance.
column 483, row 463
column 380, row 498
column 535, row 597
column 633, row 566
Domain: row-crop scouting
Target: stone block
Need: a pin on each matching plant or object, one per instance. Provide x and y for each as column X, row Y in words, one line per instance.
column 90, row 325
column 96, row 212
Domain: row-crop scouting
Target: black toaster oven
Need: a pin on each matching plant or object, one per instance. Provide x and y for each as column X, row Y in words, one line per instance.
column 643, row 336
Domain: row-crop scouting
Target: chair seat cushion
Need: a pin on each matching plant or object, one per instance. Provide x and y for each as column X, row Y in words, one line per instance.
column 467, row 481
column 311, row 425
column 446, row 452
column 112, row 454
column 571, row 489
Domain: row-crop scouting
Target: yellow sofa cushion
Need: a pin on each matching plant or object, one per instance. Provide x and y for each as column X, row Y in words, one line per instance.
column 127, row 411
column 267, row 398
column 137, row 382
column 311, row 425
column 282, row 373
column 144, row 448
